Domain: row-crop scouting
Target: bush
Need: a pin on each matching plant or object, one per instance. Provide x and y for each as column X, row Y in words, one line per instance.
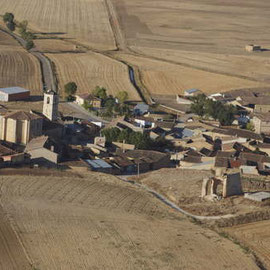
column 29, row 45
column 11, row 26
column 8, row 17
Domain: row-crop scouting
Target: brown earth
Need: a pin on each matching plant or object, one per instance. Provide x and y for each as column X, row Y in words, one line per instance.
column 183, row 187
column 255, row 236
column 99, row 222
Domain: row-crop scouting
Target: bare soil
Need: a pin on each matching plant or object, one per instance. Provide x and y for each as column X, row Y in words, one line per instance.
column 99, row 222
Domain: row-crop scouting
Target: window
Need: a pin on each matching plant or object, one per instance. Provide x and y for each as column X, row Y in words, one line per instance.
column 48, row 100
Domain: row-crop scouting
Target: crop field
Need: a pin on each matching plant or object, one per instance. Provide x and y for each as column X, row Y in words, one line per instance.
column 198, row 25
column 256, row 236
column 98, row 222
column 161, row 78
column 89, row 70
column 53, row 46
column 84, row 20
column 18, row 67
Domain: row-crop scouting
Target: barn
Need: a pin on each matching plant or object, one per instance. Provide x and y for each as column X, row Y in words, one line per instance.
column 13, row 94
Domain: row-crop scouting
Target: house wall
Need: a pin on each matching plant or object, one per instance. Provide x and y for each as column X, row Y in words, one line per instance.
column 262, row 108
column 261, row 126
column 44, row 154
column 19, row 96
column 79, row 100
column 3, row 97
column 232, row 185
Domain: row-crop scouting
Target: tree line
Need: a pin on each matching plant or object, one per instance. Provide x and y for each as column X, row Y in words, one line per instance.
column 205, row 107
column 9, row 20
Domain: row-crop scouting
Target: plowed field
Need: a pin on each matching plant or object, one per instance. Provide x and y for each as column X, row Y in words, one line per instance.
column 89, row 70
column 98, row 222
column 84, row 20
column 17, row 66
column 256, row 236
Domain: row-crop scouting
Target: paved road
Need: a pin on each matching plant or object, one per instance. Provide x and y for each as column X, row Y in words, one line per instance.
column 78, row 111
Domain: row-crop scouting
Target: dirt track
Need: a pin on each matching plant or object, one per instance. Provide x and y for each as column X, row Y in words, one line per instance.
column 100, row 223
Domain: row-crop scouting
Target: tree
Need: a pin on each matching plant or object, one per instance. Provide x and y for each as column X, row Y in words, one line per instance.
column 122, row 96
column 8, row 17
column 28, row 36
column 11, row 26
column 226, row 115
column 100, row 92
column 70, row 89
column 111, row 134
column 198, row 105
column 250, row 126
column 29, row 45
column 22, row 27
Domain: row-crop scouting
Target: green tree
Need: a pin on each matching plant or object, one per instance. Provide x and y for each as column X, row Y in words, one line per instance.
column 198, row 105
column 22, row 27
column 250, row 126
column 70, row 89
column 111, row 134
column 100, row 92
column 226, row 115
column 28, row 36
column 122, row 96
column 11, row 26
column 29, row 45
column 124, row 135
column 8, row 17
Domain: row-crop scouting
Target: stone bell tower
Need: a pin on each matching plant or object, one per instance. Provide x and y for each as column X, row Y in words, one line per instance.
column 50, row 105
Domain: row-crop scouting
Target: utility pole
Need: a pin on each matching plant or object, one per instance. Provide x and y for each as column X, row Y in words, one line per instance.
column 138, row 169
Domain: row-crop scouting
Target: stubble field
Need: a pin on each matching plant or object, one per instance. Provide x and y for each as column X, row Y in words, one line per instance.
column 85, row 21
column 162, row 78
column 97, row 222
column 17, row 66
column 89, row 70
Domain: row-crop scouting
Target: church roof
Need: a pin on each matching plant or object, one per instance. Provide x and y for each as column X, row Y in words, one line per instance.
column 21, row 115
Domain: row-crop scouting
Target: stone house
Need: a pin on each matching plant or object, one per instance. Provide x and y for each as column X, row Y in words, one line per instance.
column 262, row 123
column 20, row 127
column 95, row 102
column 45, row 150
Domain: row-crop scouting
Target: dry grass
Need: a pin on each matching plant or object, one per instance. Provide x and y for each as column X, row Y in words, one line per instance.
column 89, row 70
column 163, row 78
column 256, row 236
column 98, row 222
column 84, row 20
column 18, row 67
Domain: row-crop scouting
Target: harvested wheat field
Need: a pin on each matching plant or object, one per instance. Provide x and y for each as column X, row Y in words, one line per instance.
column 98, row 222
column 89, row 70
column 53, row 45
column 84, row 20
column 161, row 78
column 255, row 236
column 17, row 66
column 197, row 25
column 250, row 66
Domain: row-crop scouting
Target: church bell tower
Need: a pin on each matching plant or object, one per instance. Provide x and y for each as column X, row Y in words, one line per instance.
column 50, row 105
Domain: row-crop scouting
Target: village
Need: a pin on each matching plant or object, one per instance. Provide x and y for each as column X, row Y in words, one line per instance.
column 146, row 139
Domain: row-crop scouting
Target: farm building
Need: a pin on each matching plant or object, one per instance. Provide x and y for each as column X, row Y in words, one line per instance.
column 192, row 92
column 92, row 100
column 13, row 94
column 253, row 48
column 262, row 123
